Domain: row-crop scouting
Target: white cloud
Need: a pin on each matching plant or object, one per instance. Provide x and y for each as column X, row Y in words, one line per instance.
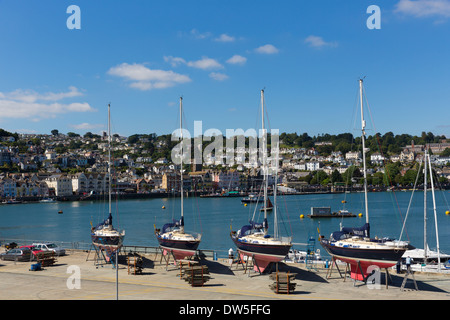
column 225, row 38
column 424, row 8
column 198, row 35
column 318, row 42
column 218, row 76
column 28, row 104
column 174, row 61
column 32, row 96
column 144, row 78
column 86, row 126
column 267, row 49
column 237, row 59
column 37, row 111
column 205, row 63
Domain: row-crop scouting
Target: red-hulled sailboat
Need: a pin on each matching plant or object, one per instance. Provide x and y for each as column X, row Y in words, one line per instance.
column 354, row 245
column 253, row 240
column 104, row 236
column 172, row 237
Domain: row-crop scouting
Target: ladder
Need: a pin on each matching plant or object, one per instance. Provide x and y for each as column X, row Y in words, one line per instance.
column 408, row 272
column 310, row 253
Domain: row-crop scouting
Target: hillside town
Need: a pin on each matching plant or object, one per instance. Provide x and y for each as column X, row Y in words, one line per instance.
column 71, row 166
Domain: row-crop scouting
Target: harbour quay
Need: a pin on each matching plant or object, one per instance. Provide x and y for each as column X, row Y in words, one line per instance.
column 77, row 276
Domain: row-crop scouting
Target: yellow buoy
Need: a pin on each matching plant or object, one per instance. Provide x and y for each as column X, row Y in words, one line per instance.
column 245, row 204
column 360, row 215
column 163, row 207
column 302, row 216
column 447, row 212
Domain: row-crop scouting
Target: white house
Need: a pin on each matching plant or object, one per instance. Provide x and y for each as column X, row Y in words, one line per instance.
column 50, row 155
column 61, row 183
column 353, row 155
column 313, row 165
column 377, row 158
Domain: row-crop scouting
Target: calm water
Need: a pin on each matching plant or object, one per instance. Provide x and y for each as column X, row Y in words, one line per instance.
column 213, row 217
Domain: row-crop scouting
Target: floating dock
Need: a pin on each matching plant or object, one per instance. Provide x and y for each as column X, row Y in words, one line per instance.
column 325, row 212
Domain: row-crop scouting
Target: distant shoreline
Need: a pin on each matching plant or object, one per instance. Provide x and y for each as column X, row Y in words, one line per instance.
column 159, row 195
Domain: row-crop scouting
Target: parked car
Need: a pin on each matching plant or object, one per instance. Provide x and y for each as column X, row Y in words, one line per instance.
column 18, row 254
column 50, row 246
column 34, row 250
column 10, row 245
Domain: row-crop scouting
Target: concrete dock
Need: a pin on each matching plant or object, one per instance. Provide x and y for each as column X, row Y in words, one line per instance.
column 72, row 277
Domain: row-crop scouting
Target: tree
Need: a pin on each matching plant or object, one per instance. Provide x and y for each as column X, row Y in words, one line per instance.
column 344, row 147
column 133, row 139
column 336, row 176
column 55, row 132
column 72, row 134
column 446, row 152
column 409, row 178
column 88, row 135
column 318, row 177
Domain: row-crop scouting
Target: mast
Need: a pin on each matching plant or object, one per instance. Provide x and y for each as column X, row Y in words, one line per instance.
column 425, row 208
column 363, row 126
column 275, row 217
column 181, row 165
column 435, row 216
column 116, row 254
column 109, row 157
column 264, row 147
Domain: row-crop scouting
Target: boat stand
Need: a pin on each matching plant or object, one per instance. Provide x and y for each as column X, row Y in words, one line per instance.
column 238, row 262
column 166, row 257
column 408, row 272
column 330, row 270
column 99, row 257
column 255, row 264
column 388, row 276
column 364, row 278
column 246, row 266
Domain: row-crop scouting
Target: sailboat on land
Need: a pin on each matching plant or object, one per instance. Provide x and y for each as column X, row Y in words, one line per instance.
column 172, row 238
column 104, row 236
column 354, row 245
column 253, row 240
column 426, row 255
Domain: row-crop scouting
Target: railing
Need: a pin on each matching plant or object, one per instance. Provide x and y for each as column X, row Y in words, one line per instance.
column 88, row 245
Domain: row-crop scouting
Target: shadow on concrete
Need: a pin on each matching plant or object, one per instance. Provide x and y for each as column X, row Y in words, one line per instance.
column 301, row 274
column 217, row 267
column 397, row 280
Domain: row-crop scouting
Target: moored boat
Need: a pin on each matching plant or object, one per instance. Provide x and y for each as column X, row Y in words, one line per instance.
column 251, row 198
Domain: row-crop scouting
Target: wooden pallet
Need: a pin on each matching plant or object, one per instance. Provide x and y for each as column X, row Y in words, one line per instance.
column 283, row 282
column 135, row 264
column 46, row 258
column 196, row 276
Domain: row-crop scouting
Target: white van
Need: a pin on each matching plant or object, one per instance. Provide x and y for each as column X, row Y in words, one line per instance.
column 50, row 246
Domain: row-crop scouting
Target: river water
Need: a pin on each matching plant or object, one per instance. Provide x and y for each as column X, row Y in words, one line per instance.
column 213, row 217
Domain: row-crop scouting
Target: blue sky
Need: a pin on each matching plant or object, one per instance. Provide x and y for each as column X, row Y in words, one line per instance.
column 141, row 56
